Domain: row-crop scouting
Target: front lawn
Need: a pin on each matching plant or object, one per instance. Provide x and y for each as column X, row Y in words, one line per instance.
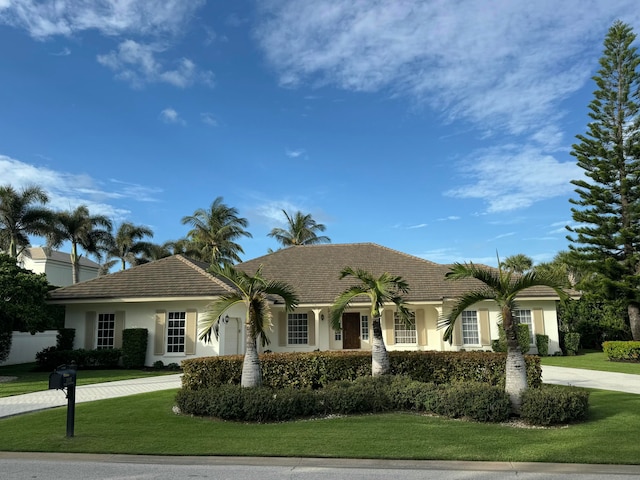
column 591, row 360
column 31, row 381
column 145, row 424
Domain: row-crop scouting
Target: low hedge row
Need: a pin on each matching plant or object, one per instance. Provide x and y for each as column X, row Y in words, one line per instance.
column 471, row 400
column 622, row 351
column 51, row 358
column 318, row 369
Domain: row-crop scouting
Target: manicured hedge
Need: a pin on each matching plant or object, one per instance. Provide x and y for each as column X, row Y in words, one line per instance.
column 318, row 369
column 134, row 347
column 50, row 358
column 474, row 401
column 542, row 344
column 572, row 343
column 554, row 404
column 622, row 351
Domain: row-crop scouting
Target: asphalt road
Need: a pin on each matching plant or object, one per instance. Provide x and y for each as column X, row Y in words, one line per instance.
column 18, row 466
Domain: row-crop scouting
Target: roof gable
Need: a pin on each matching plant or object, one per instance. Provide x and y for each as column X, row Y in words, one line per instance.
column 175, row 276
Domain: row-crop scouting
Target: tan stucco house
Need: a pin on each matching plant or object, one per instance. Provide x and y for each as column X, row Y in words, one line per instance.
column 57, row 265
column 169, row 296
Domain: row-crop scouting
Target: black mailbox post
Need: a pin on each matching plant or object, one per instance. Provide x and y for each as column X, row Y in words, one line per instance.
column 65, row 377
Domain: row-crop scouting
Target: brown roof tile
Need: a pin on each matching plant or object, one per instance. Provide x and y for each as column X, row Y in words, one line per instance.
column 175, row 276
column 313, row 270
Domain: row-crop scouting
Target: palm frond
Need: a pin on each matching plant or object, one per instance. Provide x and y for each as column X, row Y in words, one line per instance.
column 213, row 311
column 448, row 321
column 342, row 302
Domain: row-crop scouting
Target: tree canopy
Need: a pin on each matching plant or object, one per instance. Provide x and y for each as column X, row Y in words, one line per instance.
column 607, row 207
column 301, row 229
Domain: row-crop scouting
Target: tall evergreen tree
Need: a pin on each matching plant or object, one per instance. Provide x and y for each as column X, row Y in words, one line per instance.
column 607, row 209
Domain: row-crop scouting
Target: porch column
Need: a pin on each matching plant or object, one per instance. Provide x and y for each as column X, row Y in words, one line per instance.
column 321, row 340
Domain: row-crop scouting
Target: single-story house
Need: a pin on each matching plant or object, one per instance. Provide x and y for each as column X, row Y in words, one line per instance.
column 169, row 297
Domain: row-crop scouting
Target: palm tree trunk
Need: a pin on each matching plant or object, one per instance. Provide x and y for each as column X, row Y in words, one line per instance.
column 379, row 353
column 75, row 265
column 516, row 368
column 251, row 372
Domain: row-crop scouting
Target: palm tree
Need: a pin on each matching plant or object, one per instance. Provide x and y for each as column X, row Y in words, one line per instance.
column 214, row 233
column 254, row 292
column 20, row 217
column 518, row 263
column 90, row 232
column 127, row 246
column 381, row 290
column 502, row 286
column 301, row 230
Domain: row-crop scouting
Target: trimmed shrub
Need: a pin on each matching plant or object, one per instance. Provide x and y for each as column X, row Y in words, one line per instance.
column 65, row 338
column 553, row 404
column 477, row 401
column 51, row 358
column 622, row 351
column 524, row 339
column 134, row 347
column 542, row 343
column 572, row 343
column 319, row 369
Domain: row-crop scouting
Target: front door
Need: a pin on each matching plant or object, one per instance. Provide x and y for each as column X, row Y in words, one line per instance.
column 350, row 331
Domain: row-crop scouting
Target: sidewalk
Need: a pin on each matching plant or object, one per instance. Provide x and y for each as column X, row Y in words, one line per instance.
column 32, row 402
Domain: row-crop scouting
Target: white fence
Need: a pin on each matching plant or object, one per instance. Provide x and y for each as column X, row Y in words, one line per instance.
column 25, row 346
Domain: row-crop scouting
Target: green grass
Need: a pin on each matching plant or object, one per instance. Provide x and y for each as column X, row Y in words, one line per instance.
column 145, row 424
column 592, row 360
column 31, row 381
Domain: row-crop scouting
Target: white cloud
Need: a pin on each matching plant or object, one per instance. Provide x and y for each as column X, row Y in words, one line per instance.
column 503, row 66
column 295, row 153
column 62, row 53
column 109, row 17
column 449, row 218
column 137, row 64
column 169, row 115
column 513, row 177
column 208, row 119
column 420, row 225
column 67, row 190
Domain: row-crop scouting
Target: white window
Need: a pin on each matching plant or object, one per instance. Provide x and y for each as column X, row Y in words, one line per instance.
column 337, row 334
column 524, row 316
column 176, row 332
column 106, row 330
column 364, row 327
column 297, row 329
column 404, row 332
column 470, row 334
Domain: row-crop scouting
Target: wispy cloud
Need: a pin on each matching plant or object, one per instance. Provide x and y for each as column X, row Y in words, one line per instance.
column 137, row 64
column 295, row 153
column 208, row 119
column 109, row 17
column 67, row 190
column 419, row 225
column 510, row 177
column 65, row 52
column 169, row 115
column 449, row 218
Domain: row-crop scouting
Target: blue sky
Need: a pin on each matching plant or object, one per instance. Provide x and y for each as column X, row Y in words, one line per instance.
column 440, row 129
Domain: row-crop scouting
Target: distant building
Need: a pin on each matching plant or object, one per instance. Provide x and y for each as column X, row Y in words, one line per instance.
column 56, row 265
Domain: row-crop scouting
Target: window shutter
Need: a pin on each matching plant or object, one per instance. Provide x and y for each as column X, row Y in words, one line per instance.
column 387, row 325
column 161, row 319
column 191, row 332
column 311, row 328
column 282, row 329
column 457, row 333
column 119, row 326
column 90, row 330
column 421, row 327
column 485, row 328
column 538, row 322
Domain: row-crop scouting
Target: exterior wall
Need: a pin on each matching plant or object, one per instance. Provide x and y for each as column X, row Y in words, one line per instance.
column 145, row 315
column 58, row 273
column 24, row 346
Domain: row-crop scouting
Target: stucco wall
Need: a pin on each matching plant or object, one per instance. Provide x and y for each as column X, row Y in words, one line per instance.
column 25, row 346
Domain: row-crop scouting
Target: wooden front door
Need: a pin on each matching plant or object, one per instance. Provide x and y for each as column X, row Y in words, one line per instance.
column 350, row 331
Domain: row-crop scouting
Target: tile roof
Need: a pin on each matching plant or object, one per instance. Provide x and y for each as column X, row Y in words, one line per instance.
column 41, row 253
column 175, row 276
column 313, row 270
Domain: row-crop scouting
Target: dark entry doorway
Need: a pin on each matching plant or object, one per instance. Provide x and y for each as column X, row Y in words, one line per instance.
column 350, row 331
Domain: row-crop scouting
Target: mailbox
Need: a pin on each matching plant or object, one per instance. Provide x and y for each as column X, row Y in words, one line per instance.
column 62, row 377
